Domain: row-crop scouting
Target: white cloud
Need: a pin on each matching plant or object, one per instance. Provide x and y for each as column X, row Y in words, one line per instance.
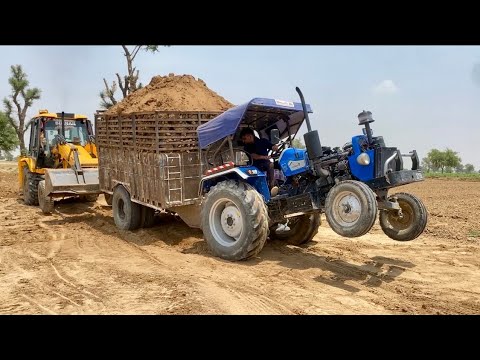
column 385, row 87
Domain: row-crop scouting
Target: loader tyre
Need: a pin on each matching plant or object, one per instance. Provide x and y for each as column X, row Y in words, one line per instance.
column 351, row 208
column 46, row 202
column 234, row 220
column 302, row 229
column 30, row 187
column 126, row 214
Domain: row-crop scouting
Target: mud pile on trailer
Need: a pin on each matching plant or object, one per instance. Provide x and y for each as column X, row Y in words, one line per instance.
column 172, row 93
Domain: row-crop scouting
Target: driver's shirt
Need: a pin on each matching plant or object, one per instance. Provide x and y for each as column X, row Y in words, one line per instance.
column 259, row 147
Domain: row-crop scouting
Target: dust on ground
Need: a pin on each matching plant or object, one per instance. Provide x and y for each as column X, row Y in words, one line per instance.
column 77, row 262
column 172, row 93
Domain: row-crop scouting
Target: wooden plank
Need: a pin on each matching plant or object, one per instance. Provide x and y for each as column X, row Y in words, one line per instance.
column 156, row 134
column 184, row 129
column 165, row 112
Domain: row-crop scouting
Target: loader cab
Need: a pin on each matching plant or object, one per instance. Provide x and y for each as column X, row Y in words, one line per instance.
column 45, row 126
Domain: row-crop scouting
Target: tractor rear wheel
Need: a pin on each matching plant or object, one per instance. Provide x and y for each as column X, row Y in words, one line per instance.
column 234, row 220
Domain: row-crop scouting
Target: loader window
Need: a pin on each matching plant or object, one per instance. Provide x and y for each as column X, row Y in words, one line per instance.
column 75, row 131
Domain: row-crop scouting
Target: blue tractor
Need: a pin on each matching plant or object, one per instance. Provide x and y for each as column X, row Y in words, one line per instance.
column 349, row 184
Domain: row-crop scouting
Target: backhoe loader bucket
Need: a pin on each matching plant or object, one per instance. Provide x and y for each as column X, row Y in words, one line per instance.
column 68, row 182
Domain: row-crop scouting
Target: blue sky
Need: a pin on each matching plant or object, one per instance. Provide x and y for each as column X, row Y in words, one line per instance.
column 421, row 96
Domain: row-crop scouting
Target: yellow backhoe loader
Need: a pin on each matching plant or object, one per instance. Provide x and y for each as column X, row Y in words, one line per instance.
column 61, row 160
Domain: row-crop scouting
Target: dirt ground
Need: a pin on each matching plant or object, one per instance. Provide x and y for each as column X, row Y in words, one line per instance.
column 76, row 262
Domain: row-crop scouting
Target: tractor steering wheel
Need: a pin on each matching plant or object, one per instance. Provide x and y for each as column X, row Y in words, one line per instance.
column 281, row 146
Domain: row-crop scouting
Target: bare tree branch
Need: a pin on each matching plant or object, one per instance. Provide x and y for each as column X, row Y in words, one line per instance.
column 123, row 85
column 125, row 49
column 129, row 83
column 110, row 92
column 135, row 51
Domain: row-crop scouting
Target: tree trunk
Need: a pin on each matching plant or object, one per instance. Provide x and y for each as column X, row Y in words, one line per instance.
column 21, row 140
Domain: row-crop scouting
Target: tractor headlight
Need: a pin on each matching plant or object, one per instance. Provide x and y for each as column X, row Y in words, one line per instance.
column 363, row 159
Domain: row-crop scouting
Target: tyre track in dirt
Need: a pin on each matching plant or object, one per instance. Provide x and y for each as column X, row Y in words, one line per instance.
column 76, row 262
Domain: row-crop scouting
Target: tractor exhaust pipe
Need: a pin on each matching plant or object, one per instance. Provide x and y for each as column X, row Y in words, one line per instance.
column 311, row 138
column 304, row 106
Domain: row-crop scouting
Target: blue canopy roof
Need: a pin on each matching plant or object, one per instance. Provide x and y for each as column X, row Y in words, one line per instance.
column 260, row 114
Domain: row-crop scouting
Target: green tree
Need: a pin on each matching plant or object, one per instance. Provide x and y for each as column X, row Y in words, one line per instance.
column 469, row 168
column 298, row 143
column 127, row 83
column 452, row 159
column 8, row 137
column 20, row 93
column 8, row 156
column 426, row 164
column 460, row 168
column 437, row 159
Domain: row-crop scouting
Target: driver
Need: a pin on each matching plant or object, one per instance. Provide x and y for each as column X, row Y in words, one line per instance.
column 258, row 150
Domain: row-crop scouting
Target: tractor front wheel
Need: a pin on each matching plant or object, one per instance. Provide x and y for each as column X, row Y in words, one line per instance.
column 410, row 223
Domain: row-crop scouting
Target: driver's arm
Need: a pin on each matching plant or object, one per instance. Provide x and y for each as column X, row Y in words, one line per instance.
column 259, row 157
column 270, row 146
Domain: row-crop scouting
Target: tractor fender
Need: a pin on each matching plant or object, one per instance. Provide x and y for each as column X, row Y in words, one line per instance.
column 248, row 174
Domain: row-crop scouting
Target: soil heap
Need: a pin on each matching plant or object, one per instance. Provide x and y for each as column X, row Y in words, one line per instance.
column 172, row 93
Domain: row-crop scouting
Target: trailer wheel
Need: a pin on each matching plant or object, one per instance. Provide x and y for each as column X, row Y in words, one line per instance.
column 234, row 220
column 412, row 222
column 108, row 198
column 148, row 217
column 89, row 198
column 351, row 208
column 302, row 229
column 30, row 187
column 126, row 214
column 46, row 202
